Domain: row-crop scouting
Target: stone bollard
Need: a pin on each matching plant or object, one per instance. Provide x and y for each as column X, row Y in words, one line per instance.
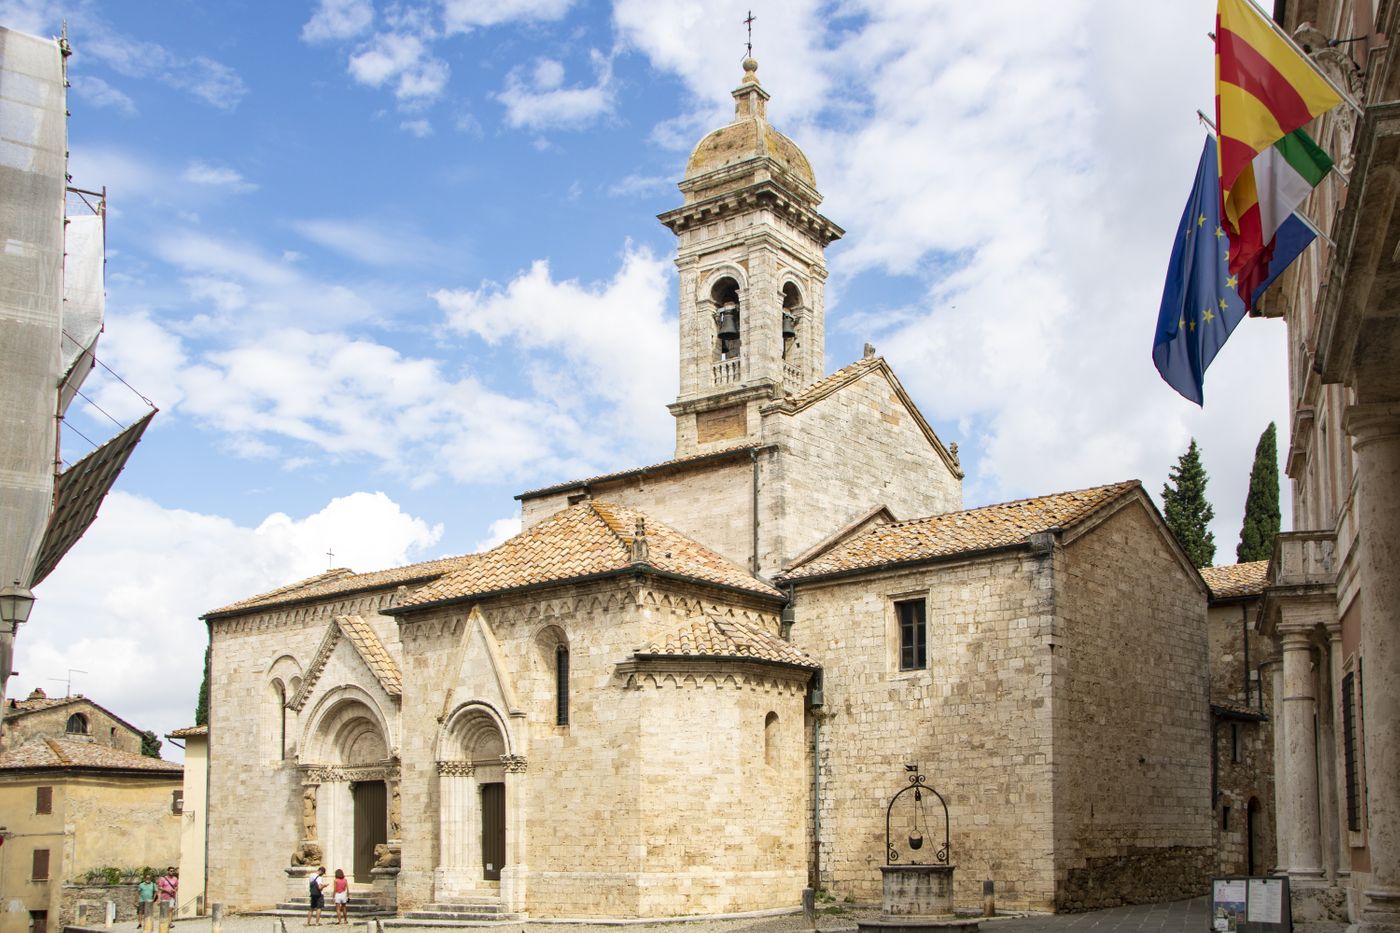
column 989, row 898
column 164, row 915
column 809, row 907
column 110, row 916
column 216, row 918
column 147, row 917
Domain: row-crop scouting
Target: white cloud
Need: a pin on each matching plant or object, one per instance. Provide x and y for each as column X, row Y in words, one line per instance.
column 338, row 19
column 213, row 82
column 539, row 101
column 404, row 60
column 124, row 604
column 420, row 128
column 618, row 337
column 372, row 242
column 501, row 530
column 462, row 15
column 633, row 185
column 216, row 176
column 101, row 94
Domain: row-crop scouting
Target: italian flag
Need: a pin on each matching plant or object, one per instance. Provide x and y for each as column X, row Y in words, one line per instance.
column 1266, row 194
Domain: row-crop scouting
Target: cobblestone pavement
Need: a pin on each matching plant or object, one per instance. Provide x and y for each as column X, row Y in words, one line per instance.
column 1191, row 916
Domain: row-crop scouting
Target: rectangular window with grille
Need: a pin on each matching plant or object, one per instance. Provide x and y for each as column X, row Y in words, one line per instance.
column 41, row 866
column 913, row 634
column 43, row 799
column 1350, row 694
column 561, row 685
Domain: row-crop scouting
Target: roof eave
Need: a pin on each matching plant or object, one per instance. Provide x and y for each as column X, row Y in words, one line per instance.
column 906, row 564
column 809, row 669
column 221, row 614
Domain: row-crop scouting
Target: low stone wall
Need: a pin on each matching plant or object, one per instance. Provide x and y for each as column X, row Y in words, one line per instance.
column 86, row 904
column 1138, row 875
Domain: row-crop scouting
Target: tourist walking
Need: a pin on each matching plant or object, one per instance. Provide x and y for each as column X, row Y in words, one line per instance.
column 145, row 898
column 342, row 896
column 168, row 887
column 318, row 897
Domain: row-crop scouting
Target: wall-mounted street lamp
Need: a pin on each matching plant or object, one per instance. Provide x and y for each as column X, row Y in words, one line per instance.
column 15, row 603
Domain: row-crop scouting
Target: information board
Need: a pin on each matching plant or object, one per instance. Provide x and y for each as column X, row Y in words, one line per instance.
column 1242, row 904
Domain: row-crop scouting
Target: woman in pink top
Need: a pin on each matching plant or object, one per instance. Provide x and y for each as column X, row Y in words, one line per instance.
column 342, row 895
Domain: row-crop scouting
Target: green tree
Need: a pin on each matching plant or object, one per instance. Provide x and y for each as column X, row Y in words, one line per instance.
column 1261, row 513
column 201, row 706
column 1187, row 511
column 150, row 745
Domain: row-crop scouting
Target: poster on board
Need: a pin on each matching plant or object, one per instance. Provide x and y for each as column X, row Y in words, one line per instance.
column 1242, row 904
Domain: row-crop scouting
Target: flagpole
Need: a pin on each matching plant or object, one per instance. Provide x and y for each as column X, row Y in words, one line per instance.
column 1298, row 212
column 1278, row 31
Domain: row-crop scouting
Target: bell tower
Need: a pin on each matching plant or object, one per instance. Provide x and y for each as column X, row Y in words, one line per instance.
column 752, row 276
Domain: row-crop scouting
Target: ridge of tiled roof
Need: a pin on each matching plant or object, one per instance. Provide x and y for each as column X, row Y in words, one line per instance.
column 718, row 454
column 24, row 707
column 824, row 387
column 338, row 582
column 189, row 732
column 708, row 636
column 366, row 644
column 1229, row 581
column 45, row 752
column 948, row 534
column 588, row 539
column 1230, row 710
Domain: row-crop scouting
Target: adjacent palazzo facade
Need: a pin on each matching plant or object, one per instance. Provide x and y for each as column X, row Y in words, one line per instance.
column 1334, row 581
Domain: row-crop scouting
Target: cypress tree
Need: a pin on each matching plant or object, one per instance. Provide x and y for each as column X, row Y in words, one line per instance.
column 201, row 706
column 150, row 745
column 1187, row 512
column 1261, row 512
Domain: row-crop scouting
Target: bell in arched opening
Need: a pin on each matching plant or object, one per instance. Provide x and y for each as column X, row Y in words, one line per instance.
column 729, row 322
column 789, row 325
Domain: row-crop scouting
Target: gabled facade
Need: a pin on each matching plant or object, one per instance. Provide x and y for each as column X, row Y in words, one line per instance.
column 72, row 717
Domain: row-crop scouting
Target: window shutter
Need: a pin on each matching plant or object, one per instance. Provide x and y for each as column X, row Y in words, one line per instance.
column 43, row 799
column 41, row 865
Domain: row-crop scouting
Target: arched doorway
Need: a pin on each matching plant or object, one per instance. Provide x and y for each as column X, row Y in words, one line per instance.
column 347, row 773
column 473, row 759
column 1252, row 840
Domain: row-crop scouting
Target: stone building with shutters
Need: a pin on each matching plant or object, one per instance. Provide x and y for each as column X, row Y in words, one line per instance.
column 693, row 687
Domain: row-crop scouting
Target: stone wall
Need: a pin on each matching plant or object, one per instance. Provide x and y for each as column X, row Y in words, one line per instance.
column 856, row 449
column 1131, row 720
column 976, row 722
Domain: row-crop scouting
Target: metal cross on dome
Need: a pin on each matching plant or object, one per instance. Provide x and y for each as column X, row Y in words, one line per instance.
column 749, row 23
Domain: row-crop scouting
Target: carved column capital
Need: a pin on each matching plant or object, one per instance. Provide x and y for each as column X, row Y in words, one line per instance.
column 1370, row 422
column 454, row 768
column 514, row 764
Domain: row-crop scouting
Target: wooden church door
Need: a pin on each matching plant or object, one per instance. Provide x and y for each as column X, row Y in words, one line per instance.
column 493, row 830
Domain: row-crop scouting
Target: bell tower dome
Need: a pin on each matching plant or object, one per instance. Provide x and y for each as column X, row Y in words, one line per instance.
column 752, row 275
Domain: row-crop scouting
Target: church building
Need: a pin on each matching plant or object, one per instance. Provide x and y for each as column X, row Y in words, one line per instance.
column 694, row 687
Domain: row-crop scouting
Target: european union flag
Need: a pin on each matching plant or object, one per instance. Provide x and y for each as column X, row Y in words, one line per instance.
column 1200, row 306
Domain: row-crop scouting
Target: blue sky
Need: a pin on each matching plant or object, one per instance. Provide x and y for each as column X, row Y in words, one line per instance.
column 384, row 265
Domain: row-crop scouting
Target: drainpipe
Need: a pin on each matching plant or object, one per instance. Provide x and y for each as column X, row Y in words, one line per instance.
column 1244, row 637
column 815, row 700
column 753, row 562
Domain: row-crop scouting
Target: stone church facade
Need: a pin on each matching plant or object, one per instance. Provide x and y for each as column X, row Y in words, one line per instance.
column 693, row 687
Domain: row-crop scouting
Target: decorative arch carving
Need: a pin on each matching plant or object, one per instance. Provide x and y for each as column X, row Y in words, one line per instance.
column 343, row 726
column 467, row 735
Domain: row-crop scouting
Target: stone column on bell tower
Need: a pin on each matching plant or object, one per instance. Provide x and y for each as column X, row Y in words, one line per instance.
column 751, row 258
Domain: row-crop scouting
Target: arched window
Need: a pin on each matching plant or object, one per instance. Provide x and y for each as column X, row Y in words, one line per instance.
column 561, row 685
column 770, row 738
column 77, row 724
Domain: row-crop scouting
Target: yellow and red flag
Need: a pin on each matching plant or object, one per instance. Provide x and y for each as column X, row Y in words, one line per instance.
column 1264, row 91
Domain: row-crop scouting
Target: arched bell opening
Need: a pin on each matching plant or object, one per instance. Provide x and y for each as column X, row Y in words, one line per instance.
column 792, row 316
column 728, row 332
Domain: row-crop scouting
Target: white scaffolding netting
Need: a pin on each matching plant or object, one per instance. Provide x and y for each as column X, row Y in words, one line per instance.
column 83, row 301
column 33, row 140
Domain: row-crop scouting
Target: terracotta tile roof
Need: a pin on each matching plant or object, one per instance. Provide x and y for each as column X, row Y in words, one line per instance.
column 39, row 704
column 189, row 732
column 708, row 636
column 44, row 752
column 338, row 582
column 1238, row 711
column 1232, row 580
column 952, row 533
column 823, row 387
column 586, row 539
column 718, row 454
column 366, row 644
